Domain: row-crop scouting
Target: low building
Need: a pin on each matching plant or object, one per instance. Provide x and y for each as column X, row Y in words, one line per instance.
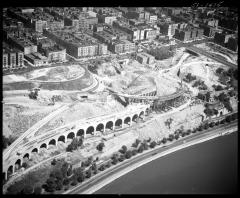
column 104, row 18
column 122, row 46
column 145, row 58
column 208, row 30
column 36, row 59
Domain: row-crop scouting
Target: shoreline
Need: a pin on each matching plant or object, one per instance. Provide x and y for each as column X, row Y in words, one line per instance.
column 117, row 175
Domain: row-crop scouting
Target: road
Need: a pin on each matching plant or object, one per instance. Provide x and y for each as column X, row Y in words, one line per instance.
column 205, row 53
column 95, row 182
column 29, row 133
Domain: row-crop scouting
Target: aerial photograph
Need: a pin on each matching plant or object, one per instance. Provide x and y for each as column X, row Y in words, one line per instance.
column 120, row 100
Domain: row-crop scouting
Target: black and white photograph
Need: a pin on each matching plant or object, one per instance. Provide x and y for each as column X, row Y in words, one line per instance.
column 120, row 100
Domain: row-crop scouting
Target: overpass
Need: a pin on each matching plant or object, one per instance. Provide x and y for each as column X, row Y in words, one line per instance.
column 149, row 96
column 209, row 55
column 27, row 144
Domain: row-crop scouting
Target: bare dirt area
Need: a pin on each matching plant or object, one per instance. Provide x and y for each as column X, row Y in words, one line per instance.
column 81, row 110
column 74, row 77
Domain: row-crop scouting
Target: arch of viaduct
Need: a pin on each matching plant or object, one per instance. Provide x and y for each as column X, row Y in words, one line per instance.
column 85, row 128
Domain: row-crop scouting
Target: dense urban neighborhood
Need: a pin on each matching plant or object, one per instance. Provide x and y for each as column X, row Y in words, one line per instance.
column 89, row 91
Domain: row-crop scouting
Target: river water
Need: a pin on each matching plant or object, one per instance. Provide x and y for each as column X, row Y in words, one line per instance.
column 209, row 167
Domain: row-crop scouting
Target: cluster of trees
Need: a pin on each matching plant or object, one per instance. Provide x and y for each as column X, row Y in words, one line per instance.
column 205, row 97
column 59, row 177
column 225, row 99
column 136, row 143
column 200, row 84
column 93, row 68
column 27, row 189
column 189, row 78
column 74, row 144
column 7, row 141
column 228, row 77
column 161, row 53
column 217, row 87
column 210, row 112
column 88, row 162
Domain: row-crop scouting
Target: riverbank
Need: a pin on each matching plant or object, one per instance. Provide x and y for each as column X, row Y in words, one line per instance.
column 130, row 167
column 210, row 167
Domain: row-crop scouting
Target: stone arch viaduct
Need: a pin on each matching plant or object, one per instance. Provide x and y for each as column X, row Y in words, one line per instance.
column 85, row 127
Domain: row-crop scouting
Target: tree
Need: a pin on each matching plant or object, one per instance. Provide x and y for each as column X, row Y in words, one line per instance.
column 128, row 154
column 153, row 144
column 200, row 128
column 218, row 88
column 209, row 112
column 66, row 181
column 140, row 149
column 59, row 185
column 54, row 162
column 81, row 177
column 208, row 96
column 164, row 140
column 57, row 174
column 124, row 149
column 145, row 145
column 228, row 118
column 108, row 164
column 188, row 131
column 206, row 126
column 228, row 106
column 64, row 169
column 211, row 124
column 69, row 172
column 171, row 137
column 134, row 152
column 135, row 145
column 50, row 185
column 27, row 189
column 100, row 146
column 102, row 167
column 234, row 116
column 223, row 121
column 25, row 165
column 219, row 70
column 168, row 122
column 4, row 142
column 115, row 161
column 74, row 181
column 121, row 158
column 201, row 96
column 80, row 142
column 231, row 93
column 89, row 173
column 215, row 111
column 37, row 190
column 69, row 148
column 176, row 136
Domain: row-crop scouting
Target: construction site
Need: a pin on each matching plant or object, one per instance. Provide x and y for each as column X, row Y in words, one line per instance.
column 79, row 93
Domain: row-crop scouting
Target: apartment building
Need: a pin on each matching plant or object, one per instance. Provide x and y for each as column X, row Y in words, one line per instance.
column 77, row 44
column 11, row 58
column 122, row 46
